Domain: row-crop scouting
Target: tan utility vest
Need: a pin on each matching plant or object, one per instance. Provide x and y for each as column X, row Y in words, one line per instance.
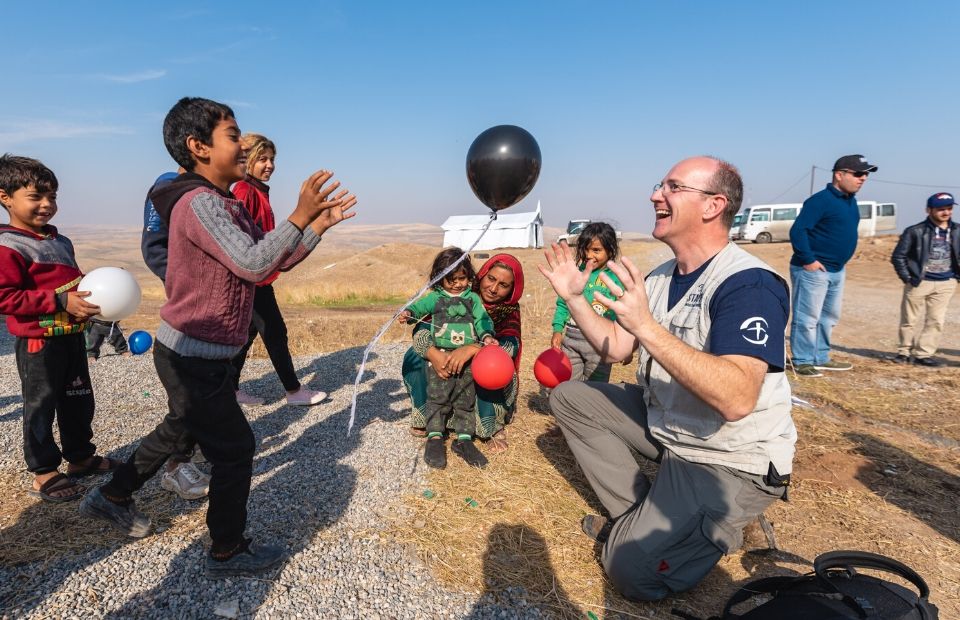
column 681, row 421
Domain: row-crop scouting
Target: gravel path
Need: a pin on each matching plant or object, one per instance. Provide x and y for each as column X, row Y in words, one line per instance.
column 324, row 495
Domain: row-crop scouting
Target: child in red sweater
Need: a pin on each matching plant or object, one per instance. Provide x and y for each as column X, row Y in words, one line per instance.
column 254, row 192
column 38, row 293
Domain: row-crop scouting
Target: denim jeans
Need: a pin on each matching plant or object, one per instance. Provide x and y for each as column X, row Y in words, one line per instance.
column 816, row 300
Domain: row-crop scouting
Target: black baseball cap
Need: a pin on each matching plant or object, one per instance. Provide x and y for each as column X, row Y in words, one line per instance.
column 856, row 163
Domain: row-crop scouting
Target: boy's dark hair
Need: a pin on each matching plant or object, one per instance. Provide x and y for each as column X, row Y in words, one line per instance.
column 604, row 233
column 447, row 257
column 17, row 172
column 191, row 116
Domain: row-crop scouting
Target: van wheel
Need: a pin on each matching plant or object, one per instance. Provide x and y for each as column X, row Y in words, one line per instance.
column 764, row 238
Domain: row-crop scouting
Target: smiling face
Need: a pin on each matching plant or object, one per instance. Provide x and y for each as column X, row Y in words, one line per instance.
column 262, row 168
column 223, row 161
column 456, row 282
column 596, row 253
column 680, row 212
column 496, row 285
column 29, row 208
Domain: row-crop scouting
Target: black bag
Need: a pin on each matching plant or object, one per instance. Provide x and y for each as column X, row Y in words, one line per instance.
column 836, row 591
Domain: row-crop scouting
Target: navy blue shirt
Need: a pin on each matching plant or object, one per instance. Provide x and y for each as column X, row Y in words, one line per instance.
column 748, row 314
column 826, row 229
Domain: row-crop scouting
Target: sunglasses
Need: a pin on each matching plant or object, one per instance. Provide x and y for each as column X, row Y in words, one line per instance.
column 857, row 173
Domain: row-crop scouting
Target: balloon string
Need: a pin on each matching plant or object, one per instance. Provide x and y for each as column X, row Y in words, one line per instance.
column 386, row 326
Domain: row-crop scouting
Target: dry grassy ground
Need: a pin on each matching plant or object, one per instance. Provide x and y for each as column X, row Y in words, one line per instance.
column 877, row 465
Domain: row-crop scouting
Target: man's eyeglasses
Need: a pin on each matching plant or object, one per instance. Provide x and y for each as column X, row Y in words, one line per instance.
column 671, row 187
column 858, row 173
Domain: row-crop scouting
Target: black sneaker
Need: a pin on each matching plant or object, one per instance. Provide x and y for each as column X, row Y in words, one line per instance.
column 435, row 453
column 467, row 450
column 931, row 362
column 597, row 527
column 901, row 359
column 252, row 559
column 125, row 518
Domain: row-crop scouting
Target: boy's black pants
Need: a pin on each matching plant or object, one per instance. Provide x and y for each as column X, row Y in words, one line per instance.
column 202, row 406
column 268, row 322
column 55, row 382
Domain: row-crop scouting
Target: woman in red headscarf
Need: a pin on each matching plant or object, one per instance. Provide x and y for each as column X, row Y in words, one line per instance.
column 500, row 285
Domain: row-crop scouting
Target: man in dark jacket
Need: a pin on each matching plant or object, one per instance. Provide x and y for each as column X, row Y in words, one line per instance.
column 927, row 260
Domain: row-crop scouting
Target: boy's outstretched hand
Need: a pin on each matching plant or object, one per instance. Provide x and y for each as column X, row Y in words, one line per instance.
column 314, row 199
column 80, row 308
column 335, row 214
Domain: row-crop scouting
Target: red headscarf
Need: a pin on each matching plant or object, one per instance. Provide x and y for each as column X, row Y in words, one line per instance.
column 506, row 314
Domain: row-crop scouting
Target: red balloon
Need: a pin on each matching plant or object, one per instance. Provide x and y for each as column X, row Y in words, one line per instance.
column 552, row 368
column 492, row 368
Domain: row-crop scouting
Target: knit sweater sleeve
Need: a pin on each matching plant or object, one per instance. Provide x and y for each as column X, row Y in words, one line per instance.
column 212, row 228
column 15, row 298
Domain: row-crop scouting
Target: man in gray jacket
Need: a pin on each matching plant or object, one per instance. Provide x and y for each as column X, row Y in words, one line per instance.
column 712, row 406
column 927, row 261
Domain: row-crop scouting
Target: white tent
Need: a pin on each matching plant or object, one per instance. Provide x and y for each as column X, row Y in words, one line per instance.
column 509, row 230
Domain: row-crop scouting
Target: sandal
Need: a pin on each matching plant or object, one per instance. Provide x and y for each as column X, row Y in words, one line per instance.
column 57, row 483
column 418, row 432
column 93, row 467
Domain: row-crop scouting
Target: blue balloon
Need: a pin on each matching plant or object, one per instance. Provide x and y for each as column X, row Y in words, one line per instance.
column 139, row 342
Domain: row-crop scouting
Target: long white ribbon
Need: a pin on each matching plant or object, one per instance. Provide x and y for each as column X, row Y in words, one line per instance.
column 386, row 326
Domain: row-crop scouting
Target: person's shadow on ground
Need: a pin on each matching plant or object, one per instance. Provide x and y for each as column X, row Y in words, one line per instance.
column 925, row 490
column 308, row 490
column 314, row 493
column 519, row 554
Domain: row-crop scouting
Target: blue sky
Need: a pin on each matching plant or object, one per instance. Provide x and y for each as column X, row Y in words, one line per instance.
column 390, row 95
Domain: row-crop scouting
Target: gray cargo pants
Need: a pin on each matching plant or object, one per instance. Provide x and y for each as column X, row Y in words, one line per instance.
column 668, row 534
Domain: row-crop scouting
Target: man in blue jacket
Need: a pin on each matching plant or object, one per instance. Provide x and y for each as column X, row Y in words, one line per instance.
column 927, row 260
column 824, row 238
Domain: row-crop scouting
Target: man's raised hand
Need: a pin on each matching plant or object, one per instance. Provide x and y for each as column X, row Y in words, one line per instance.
column 562, row 272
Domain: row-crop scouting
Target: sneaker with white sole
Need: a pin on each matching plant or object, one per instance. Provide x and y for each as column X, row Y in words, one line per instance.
column 306, row 397
column 246, row 398
column 832, row 365
column 186, row 481
column 807, row 370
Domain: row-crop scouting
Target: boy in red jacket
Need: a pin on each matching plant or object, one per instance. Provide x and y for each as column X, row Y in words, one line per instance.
column 46, row 313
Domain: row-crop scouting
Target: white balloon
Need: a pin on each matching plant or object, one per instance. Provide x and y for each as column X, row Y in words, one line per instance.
column 114, row 290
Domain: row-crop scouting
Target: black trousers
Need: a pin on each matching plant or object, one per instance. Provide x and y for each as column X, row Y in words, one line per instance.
column 203, row 406
column 55, row 382
column 268, row 322
column 111, row 332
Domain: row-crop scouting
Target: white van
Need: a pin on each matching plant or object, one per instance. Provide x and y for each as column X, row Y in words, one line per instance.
column 876, row 218
column 766, row 223
column 734, row 233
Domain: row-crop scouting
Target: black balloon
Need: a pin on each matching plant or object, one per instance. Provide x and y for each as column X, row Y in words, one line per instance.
column 503, row 164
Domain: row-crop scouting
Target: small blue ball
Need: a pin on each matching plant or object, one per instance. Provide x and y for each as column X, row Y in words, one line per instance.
column 139, row 342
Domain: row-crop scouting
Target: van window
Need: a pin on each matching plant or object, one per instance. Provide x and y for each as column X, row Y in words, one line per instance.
column 865, row 211
column 737, row 219
column 887, row 210
column 760, row 216
column 781, row 215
